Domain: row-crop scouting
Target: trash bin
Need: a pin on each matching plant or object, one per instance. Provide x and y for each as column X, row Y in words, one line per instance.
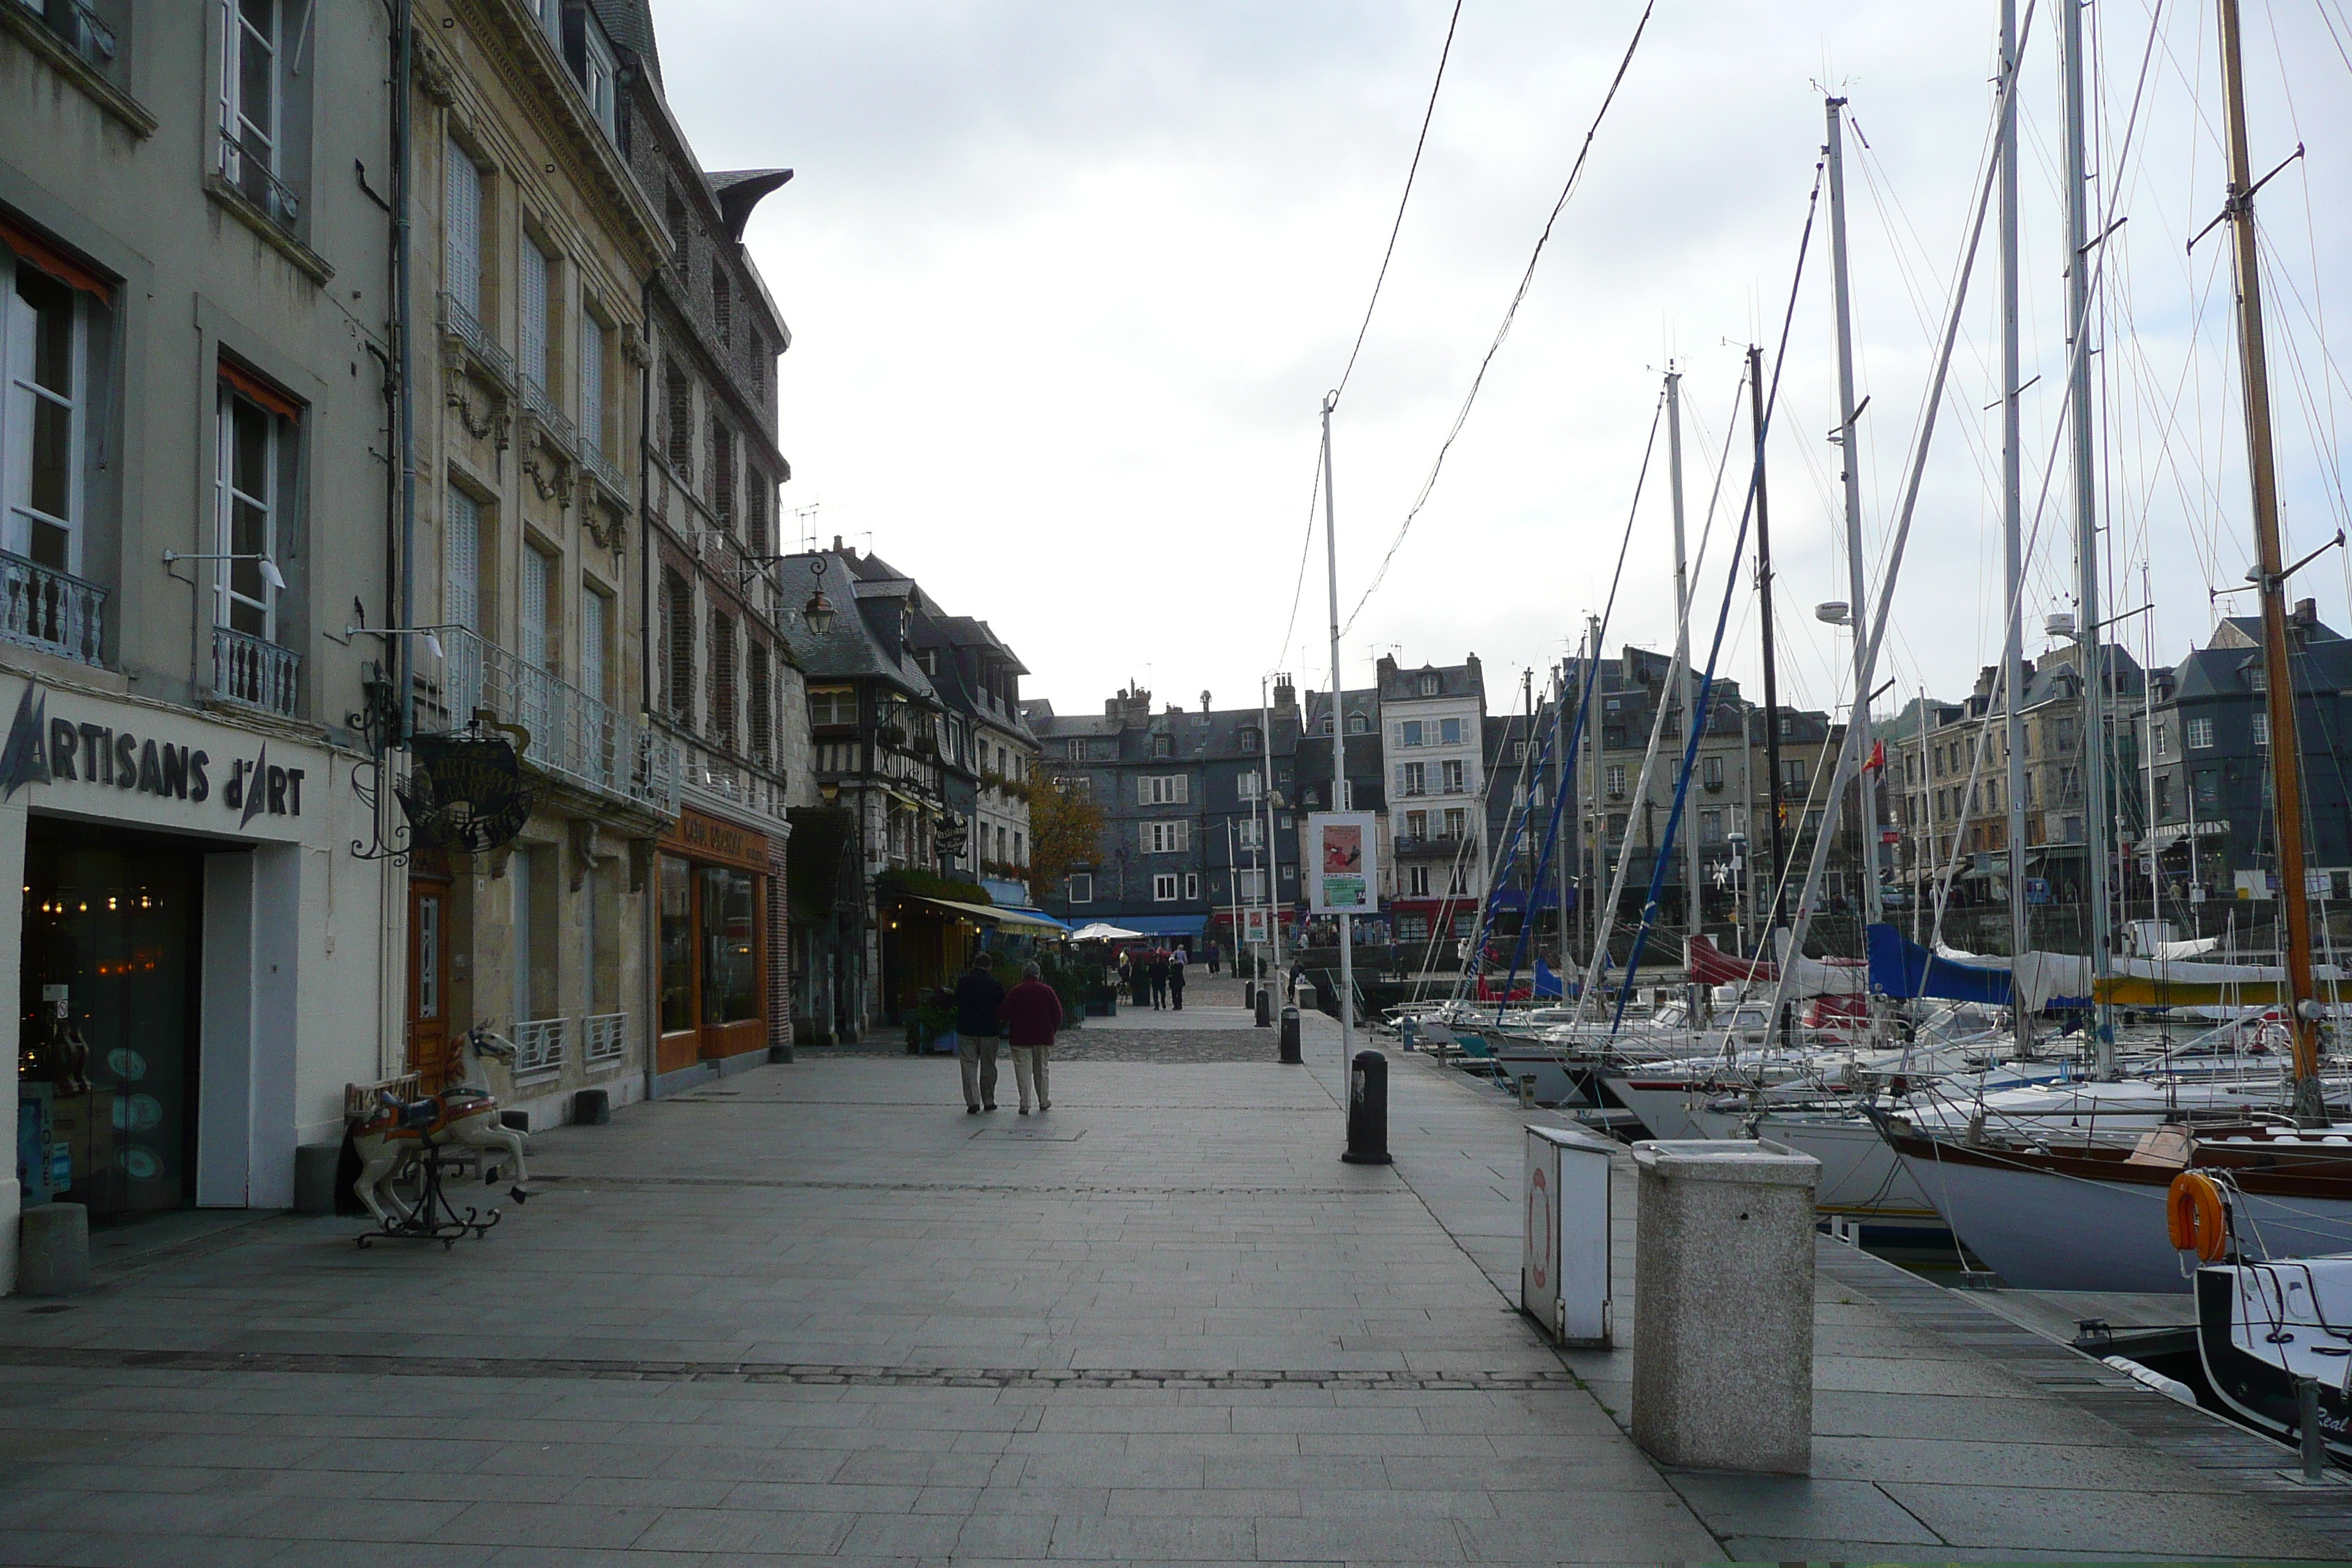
column 1723, row 1304
column 1564, row 1242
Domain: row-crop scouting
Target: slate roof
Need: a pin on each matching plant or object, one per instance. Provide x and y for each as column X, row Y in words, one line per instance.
column 851, row 648
column 739, row 190
column 630, row 24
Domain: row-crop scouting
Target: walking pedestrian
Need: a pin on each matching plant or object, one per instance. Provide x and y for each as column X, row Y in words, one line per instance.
column 1158, row 979
column 1176, row 980
column 1032, row 1013
column 978, row 997
column 1138, row 975
column 1213, row 951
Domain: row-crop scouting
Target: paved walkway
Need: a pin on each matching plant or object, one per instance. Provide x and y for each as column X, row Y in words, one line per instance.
column 817, row 1313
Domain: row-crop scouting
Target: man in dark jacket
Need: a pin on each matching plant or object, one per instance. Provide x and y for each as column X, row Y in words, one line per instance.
column 978, row 997
column 1031, row 1013
column 1158, row 979
column 1176, row 979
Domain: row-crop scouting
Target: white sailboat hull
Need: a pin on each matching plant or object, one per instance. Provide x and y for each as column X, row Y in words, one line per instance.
column 2043, row 1230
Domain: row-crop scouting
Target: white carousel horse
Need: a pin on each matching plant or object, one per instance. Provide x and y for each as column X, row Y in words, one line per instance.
column 397, row 1132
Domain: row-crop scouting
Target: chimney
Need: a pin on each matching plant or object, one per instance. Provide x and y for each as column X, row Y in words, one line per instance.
column 1286, row 695
column 2306, row 613
column 1204, row 704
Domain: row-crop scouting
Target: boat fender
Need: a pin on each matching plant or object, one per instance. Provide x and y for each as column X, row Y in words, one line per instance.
column 2194, row 1214
column 2149, row 1378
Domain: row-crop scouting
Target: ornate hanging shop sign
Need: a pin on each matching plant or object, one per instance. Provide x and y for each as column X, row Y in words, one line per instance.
column 465, row 792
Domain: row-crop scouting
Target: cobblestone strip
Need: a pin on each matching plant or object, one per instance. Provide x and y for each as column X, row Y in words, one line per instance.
column 804, row 1373
column 591, row 1182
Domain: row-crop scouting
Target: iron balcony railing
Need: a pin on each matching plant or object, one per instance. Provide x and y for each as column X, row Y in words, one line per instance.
column 458, row 322
column 51, row 610
column 253, row 672
column 604, row 1037
column 540, row 404
column 602, row 467
column 574, row 737
column 258, row 182
column 540, row 1047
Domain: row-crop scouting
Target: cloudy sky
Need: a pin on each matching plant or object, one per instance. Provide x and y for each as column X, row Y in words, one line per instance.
column 1068, row 282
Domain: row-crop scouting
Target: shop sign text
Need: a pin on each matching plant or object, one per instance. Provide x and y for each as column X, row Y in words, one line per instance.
column 42, row 750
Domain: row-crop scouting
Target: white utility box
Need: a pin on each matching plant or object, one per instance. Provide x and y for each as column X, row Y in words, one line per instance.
column 1564, row 1247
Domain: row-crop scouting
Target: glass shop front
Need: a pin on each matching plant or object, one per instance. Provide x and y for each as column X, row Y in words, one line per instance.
column 712, row 889
column 107, row 1058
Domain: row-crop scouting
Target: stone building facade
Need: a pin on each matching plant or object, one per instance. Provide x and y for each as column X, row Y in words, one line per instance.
column 725, row 689
column 196, row 315
column 533, row 242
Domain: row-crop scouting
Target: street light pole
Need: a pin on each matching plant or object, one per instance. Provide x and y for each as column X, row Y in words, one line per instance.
column 1339, row 734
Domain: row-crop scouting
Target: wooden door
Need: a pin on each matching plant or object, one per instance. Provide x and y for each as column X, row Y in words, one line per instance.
column 428, row 982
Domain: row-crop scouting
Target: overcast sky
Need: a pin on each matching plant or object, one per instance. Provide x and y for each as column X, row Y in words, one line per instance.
column 1067, row 283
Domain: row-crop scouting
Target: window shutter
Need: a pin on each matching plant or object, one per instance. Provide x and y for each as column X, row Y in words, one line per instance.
column 1183, row 783
column 461, row 558
column 592, row 611
column 1142, row 790
column 534, row 315
column 463, row 230
column 592, row 385
column 534, row 608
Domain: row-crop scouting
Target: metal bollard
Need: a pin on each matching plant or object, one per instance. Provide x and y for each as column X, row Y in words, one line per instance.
column 1527, row 1091
column 2314, row 1436
column 1368, row 1110
column 1249, row 993
column 1265, row 1008
column 1290, row 1054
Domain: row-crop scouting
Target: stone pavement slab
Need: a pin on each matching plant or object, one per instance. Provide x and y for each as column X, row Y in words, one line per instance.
column 816, row 1313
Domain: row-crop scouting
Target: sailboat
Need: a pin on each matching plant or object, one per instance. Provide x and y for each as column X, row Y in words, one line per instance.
column 2055, row 1213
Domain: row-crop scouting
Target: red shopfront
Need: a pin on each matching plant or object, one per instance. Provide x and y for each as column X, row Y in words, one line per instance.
column 711, row 895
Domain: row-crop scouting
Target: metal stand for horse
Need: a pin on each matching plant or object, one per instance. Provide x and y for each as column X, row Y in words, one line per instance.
column 434, row 1217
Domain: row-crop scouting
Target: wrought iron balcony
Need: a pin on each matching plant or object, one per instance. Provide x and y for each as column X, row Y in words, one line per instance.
column 52, row 611
column 253, row 672
column 250, row 174
column 458, row 322
column 540, row 404
column 574, row 737
column 603, row 469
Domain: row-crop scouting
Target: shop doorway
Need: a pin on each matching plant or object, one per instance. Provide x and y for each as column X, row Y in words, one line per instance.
column 109, row 1007
column 428, row 980
column 713, row 968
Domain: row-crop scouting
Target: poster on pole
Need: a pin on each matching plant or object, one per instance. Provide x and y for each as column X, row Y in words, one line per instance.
column 1344, row 875
column 1256, row 927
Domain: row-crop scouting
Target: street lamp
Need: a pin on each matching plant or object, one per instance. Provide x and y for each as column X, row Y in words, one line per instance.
column 270, row 572
column 819, row 611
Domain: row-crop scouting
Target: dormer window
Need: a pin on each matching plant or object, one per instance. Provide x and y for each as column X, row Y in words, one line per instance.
column 1359, row 725
column 1429, row 685
column 1248, row 739
column 1163, row 746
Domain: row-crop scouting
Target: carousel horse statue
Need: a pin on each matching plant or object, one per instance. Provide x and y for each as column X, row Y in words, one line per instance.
column 396, row 1132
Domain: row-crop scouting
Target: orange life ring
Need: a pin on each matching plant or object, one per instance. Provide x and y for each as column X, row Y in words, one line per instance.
column 2194, row 1214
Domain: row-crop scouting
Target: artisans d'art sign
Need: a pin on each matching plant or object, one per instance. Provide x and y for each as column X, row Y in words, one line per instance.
column 64, row 749
column 465, row 792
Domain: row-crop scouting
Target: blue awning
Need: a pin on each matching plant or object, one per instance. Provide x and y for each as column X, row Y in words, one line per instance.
column 1161, row 925
column 1034, row 914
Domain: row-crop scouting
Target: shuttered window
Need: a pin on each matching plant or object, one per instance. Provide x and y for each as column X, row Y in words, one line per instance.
column 591, row 385
column 723, row 474
column 681, row 425
column 534, row 314
column 722, row 677
column 462, row 261
column 677, row 608
column 761, row 721
column 461, row 561
column 533, row 608
column 594, row 609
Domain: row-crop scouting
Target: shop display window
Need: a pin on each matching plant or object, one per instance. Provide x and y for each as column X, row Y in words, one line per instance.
column 730, row 962
column 677, row 892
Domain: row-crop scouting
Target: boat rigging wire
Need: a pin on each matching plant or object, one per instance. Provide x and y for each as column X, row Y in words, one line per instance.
column 1397, row 227
column 1315, row 490
column 1502, row 333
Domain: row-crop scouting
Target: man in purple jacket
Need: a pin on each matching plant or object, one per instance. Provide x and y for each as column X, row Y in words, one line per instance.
column 1032, row 1013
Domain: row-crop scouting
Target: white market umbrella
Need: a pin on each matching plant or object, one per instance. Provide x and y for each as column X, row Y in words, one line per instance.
column 1102, row 932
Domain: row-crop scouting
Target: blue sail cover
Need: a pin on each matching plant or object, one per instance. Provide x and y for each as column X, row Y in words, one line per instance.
column 1901, row 967
column 1547, row 983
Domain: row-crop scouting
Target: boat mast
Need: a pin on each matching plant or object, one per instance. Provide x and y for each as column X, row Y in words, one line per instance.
column 1688, row 682
column 2012, row 512
column 1559, row 854
column 1779, row 863
column 2287, row 752
column 1859, row 718
column 2096, row 834
column 1339, row 801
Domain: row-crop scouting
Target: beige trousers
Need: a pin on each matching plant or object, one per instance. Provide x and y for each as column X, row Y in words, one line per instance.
column 1029, row 1074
